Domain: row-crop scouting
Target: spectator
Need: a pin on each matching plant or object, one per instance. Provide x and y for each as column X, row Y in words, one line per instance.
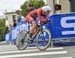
column 19, row 16
column 14, row 23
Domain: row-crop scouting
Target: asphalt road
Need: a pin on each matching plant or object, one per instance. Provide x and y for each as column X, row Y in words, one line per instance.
column 10, row 51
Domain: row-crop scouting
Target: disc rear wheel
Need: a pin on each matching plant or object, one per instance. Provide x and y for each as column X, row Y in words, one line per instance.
column 21, row 40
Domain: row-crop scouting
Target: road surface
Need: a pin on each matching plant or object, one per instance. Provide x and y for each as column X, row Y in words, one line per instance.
column 10, row 51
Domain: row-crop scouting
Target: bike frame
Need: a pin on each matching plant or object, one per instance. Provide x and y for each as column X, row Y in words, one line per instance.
column 40, row 29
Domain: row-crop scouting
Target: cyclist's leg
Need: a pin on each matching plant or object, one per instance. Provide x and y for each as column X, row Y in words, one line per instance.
column 31, row 20
column 33, row 28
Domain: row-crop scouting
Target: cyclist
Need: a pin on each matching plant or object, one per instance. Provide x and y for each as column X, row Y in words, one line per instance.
column 41, row 13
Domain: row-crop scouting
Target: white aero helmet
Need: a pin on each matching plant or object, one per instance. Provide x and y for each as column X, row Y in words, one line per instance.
column 46, row 8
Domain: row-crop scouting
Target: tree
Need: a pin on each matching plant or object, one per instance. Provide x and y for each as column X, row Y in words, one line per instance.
column 36, row 4
column 2, row 29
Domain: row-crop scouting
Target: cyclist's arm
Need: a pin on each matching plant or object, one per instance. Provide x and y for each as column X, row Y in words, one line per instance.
column 39, row 11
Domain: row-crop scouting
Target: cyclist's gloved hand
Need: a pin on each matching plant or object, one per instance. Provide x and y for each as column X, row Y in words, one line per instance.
column 48, row 20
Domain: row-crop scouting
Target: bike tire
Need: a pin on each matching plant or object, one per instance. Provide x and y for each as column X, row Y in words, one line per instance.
column 49, row 41
column 22, row 36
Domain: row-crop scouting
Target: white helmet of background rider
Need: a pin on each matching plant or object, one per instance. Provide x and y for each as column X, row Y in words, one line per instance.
column 46, row 8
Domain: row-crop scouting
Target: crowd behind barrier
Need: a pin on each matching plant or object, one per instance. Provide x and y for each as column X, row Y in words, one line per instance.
column 12, row 34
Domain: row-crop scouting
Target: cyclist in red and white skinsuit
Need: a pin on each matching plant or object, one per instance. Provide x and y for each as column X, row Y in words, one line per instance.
column 31, row 17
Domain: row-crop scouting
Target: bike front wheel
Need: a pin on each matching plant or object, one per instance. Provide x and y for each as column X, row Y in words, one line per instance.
column 43, row 39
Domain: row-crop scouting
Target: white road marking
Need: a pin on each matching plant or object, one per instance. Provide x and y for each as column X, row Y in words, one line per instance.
column 64, row 57
column 34, row 54
column 31, row 50
column 48, row 48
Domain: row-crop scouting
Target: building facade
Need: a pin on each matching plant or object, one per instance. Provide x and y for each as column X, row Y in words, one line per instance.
column 10, row 17
column 67, row 6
